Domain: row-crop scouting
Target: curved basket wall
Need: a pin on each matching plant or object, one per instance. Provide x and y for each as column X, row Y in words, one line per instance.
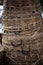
column 22, row 26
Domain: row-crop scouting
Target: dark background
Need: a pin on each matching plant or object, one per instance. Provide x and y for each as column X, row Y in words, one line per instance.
column 41, row 2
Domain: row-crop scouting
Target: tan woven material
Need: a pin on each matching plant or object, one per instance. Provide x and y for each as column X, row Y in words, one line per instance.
column 22, row 26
